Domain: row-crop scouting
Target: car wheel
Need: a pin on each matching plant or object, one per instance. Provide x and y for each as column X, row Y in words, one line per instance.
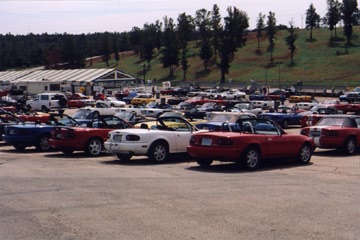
column 158, row 152
column 112, row 105
column 19, row 147
column 96, row 114
column 204, row 162
column 251, row 159
column 350, row 146
column 43, row 143
column 304, row 154
column 94, row 147
column 123, row 156
column 285, row 124
column 44, row 109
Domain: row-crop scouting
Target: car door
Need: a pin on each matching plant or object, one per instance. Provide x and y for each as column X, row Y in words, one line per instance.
column 278, row 143
column 182, row 133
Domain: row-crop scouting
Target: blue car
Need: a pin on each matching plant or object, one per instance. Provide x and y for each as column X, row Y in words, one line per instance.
column 283, row 119
column 25, row 135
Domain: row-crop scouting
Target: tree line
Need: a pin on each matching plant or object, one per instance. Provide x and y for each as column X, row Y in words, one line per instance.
column 217, row 38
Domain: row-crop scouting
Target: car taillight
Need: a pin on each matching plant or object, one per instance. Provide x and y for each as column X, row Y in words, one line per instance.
column 132, row 138
column 193, row 141
column 224, row 142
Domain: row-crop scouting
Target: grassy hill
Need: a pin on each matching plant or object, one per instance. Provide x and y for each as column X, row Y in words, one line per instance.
column 315, row 62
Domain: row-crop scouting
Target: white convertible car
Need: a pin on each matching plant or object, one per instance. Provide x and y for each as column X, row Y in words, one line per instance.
column 170, row 135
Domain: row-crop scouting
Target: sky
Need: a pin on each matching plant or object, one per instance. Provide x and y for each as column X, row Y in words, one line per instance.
column 21, row 17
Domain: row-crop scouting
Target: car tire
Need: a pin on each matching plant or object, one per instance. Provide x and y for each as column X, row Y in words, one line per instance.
column 304, row 154
column 19, row 147
column 158, row 152
column 204, row 162
column 43, row 143
column 44, row 109
column 123, row 156
column 94, row 147
column 96, row 114
column 251, row 158
column 350, row 146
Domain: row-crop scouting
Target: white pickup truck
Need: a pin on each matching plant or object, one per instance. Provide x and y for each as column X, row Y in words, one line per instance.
column 47, row 101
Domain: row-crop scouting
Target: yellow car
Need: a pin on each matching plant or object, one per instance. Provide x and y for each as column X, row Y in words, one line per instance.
column 300, row 98
column 142, row 99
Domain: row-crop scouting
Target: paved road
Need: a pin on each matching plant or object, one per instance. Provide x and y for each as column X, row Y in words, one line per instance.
column 50, row 196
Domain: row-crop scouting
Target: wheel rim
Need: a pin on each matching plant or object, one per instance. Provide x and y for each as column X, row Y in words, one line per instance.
column 44, row 143
column 252, row 158
column 95, row 147
column 305, row 154
column 159, row 153
column 350, row 146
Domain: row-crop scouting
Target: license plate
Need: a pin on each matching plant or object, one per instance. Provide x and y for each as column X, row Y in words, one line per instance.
column 206, row 141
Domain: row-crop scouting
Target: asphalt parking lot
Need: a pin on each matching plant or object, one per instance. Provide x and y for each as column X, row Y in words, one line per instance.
column 52, row 196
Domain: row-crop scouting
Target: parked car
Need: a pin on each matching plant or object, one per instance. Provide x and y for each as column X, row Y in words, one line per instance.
column 247, row 108
column 170, row 135
column 47, row 101
column 233, row 94
column 266, row 103
column 336, row 131
column 158, row 105
column 277, row 93
column 83, row 98
column 223, row 121
column 131, row 117
column 113, row 102
column 21, row 136
column 142, row 99
column 89, row 140
column 74, row 103
column 283, row 119
column 200, row 112
column 254, row 141
column 101, row 108
column 300, row 98
column 7, row 118
column 350, row 97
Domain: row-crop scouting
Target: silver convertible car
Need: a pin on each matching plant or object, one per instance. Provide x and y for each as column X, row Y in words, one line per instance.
column 168, row 135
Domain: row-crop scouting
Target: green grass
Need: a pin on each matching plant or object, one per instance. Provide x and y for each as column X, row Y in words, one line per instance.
column 315, row 62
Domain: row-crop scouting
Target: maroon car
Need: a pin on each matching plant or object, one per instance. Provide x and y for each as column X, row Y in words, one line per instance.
column 89, row 139
column 336, row 131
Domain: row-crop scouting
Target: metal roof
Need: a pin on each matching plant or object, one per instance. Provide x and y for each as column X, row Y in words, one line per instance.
column 77, row 75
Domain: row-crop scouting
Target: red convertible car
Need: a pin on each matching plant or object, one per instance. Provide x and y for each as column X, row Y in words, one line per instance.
column 336, row 131
column 88, row 139
column 255, row 140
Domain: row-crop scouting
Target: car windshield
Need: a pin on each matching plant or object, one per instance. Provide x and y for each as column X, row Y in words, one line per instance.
column 208, row 105
column 124, row 114
column 82, row 114
column 242, row 105
column 220, row 118
column 331, row 122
